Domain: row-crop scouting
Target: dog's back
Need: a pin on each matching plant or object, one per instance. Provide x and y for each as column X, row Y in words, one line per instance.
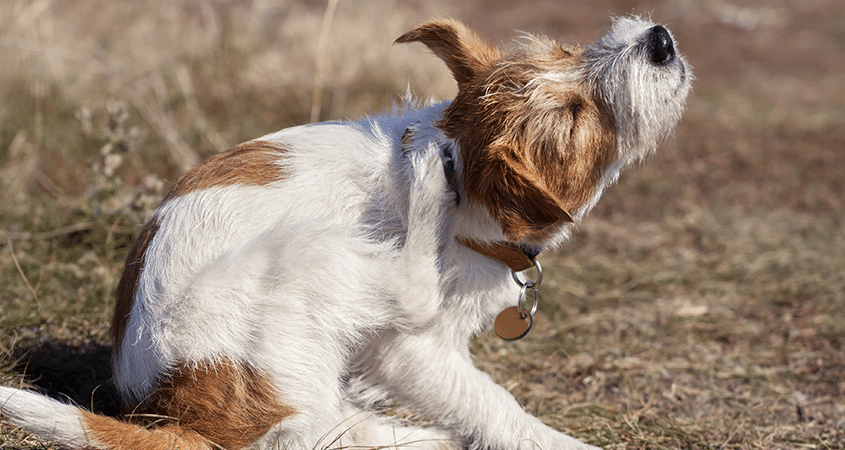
column 272, row 218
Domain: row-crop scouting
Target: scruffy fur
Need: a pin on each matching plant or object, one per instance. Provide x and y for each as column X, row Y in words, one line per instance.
column 289, row 288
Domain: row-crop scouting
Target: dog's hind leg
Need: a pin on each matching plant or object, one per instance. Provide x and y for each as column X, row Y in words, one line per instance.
column 429, row 204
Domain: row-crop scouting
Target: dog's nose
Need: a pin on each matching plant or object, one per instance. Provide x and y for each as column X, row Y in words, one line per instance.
column 661, row 46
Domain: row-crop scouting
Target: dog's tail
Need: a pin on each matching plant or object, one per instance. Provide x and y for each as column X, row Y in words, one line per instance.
column 76, row 428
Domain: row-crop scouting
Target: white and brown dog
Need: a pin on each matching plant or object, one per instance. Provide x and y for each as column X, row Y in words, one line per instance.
column 289, row 288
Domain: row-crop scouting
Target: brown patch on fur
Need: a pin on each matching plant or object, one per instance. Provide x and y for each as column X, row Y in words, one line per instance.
column 464, row 52
column 117, row 435
column 407, row 139
column 251, row 164
column 228, row 404
column 533, row 146
column 129, row 283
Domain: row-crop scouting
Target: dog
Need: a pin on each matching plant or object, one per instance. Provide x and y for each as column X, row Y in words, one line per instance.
column 289, row 289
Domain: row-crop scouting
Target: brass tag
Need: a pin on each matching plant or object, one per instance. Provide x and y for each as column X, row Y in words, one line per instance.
column 510, row 325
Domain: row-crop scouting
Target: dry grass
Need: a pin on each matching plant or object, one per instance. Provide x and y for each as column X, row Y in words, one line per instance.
column 700, row 306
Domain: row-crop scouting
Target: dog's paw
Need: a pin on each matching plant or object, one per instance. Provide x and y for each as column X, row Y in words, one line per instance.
column 430, row 187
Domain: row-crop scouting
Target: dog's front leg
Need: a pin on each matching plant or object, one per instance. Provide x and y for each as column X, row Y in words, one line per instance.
column 433, row 372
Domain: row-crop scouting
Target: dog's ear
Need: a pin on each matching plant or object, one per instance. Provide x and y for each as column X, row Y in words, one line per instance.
column 464, row 52
column 519, row 202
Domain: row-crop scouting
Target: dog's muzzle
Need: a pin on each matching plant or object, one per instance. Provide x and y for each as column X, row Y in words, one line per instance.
column 660, row 45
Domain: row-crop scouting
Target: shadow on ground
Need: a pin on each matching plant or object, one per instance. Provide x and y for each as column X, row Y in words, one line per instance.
column 81, row 374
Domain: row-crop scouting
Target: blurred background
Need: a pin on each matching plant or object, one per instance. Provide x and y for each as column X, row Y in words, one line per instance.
column 701, row 305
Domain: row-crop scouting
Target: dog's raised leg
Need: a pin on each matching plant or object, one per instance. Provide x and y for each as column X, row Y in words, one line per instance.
column 419, row 288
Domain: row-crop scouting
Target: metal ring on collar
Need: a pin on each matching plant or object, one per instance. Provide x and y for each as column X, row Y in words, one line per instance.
column 530, row 283
column 521, row 301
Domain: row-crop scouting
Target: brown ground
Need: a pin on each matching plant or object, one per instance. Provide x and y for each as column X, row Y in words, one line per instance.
column 700, row 306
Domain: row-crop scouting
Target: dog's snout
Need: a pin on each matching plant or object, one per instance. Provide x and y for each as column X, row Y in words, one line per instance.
column 660, row 45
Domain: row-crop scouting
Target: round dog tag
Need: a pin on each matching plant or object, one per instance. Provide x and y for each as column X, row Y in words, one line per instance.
column 510, row 325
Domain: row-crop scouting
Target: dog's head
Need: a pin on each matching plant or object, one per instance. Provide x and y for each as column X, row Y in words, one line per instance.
column 542, row 128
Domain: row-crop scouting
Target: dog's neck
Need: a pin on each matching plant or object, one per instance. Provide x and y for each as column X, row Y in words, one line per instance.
column 517, row 257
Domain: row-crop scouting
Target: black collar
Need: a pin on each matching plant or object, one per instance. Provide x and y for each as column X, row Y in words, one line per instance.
column 517, row 257
column 449, row 170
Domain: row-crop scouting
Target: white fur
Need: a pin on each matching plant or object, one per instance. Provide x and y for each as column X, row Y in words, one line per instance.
column 44, row 416
column 646, row 100
column 344, row 283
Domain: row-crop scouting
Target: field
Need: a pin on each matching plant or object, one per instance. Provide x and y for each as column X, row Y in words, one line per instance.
column 700, row 306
